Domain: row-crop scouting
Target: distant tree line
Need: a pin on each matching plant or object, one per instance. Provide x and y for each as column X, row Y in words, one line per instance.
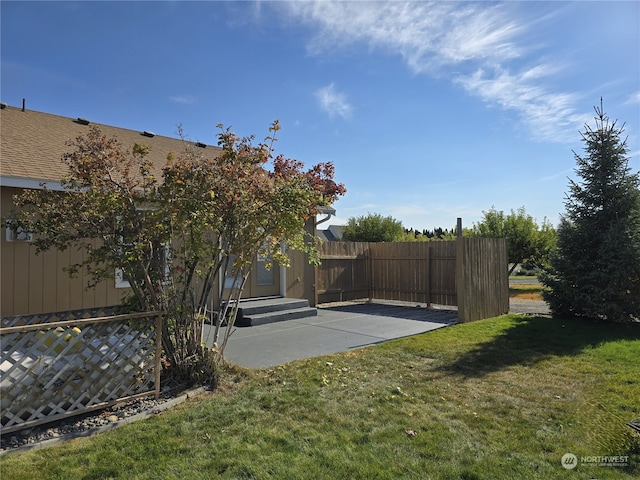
column 438, row 233
column 374, row 227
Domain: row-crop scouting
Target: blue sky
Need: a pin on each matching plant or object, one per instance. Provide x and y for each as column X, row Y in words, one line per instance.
column 429, row 111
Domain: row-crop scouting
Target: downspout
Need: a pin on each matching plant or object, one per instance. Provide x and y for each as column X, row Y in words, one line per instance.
column 283, row 274
column 329, row 215
column 329, row 212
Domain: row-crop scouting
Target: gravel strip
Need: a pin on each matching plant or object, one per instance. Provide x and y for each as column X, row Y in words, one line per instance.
column 529, row 307
column 50, row 434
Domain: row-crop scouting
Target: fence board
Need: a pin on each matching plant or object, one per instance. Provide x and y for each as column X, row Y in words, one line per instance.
column 483, row 278
column 400, row 271
column 344, row 273
column 443, row 273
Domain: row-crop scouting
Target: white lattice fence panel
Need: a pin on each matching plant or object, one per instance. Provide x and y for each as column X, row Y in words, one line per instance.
column 50, row 371
column 86, row 313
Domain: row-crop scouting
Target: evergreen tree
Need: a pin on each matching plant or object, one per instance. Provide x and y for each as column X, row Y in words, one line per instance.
column 595, row 270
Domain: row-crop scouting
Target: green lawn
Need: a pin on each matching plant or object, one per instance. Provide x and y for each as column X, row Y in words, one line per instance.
column 500, row 398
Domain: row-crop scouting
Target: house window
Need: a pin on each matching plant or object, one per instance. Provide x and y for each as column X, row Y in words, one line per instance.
column 162, row 261
column 122, row 281
column 17, row 235
column 161, row 253
column 231, row 280
column 264, row 276
column 159, row 263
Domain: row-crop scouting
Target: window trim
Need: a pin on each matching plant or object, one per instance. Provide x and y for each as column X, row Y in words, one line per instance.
column 19, row 235
column 122, row 282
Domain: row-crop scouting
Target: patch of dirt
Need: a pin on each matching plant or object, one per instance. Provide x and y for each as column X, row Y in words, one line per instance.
column 528, row 307
column 536, row 296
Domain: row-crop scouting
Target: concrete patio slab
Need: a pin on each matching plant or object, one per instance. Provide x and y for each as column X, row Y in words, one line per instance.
column 334, row 329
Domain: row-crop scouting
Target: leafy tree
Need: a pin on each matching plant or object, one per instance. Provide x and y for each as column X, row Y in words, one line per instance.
column 595, row 271
column 526, row 241
column 208, row 214
column 373, row 228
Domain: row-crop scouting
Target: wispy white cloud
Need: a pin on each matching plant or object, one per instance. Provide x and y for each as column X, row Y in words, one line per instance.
column 549, row 115
column 555, row 176
column 333, row 102
column 408, row 210
column 184, row 99
column 362, row 207
column 426, row 35
column 633, row 99
column 479, row 46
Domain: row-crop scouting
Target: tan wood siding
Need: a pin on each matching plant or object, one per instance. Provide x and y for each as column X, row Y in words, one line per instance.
column 33, row 284
column 49, row 281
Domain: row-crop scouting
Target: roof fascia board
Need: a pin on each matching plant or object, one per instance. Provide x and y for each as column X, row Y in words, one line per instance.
column 32, row 183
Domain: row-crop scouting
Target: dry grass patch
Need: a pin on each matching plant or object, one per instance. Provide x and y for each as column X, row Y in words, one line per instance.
column 526, row 291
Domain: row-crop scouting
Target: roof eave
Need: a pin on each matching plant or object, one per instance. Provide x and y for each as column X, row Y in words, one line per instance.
column 32, row 183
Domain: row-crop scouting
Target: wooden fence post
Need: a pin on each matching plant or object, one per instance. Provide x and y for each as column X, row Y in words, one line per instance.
column 427, row 275
column 460, row 278
column 158, row 354
column 370, row 265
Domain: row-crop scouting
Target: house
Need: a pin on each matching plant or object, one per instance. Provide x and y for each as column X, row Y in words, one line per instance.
column 32, row 144
column 331, row 234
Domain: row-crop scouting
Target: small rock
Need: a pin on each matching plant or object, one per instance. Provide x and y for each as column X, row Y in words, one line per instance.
column 70, row 426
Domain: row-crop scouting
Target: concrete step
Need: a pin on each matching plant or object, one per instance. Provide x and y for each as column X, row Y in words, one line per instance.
column 258, row 311
column 277, row 316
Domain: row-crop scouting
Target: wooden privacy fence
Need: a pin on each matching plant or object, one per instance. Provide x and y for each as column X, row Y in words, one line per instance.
column 58, row 369
column 422, row 272
column 470, row 273
column 482, row 278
